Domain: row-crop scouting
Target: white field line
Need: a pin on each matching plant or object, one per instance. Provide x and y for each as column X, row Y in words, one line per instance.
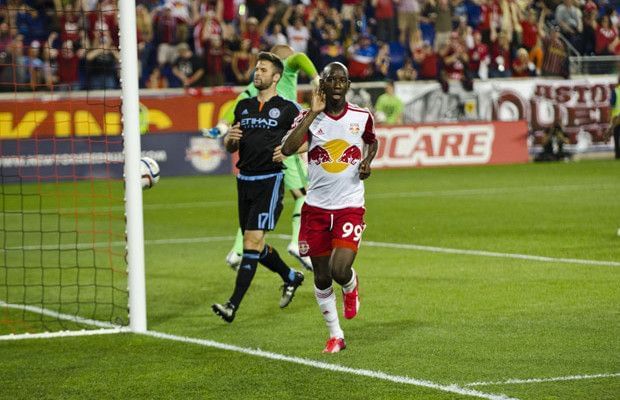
column 55, row 314
column 389, row 195
column 254, row 352
column 332, row 367
column 50, row 335
column 542, row 380
column 404, row 246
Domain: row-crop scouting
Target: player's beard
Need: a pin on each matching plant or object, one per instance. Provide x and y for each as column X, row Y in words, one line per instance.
column 262, row 83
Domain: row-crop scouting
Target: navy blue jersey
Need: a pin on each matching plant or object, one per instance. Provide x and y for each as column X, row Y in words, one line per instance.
column 263, row 126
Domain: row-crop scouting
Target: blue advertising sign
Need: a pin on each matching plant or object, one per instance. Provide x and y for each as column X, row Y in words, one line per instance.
column 102, row 157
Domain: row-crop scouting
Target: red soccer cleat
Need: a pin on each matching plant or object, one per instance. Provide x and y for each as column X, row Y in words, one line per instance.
column 334, row 345
column 351, row 302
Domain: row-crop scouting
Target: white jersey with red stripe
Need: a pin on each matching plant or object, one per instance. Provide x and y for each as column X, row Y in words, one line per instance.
column 336, row 145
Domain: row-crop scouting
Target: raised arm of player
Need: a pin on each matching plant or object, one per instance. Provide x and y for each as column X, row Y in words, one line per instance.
column 301, row 62
column 297, row 135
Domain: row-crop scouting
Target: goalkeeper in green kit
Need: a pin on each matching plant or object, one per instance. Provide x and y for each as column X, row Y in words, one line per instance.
column 295, row 172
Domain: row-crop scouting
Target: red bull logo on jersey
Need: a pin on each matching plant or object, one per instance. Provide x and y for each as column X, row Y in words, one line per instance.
column 335, row 156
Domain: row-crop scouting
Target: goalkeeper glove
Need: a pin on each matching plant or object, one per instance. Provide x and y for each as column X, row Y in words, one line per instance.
column 213, row 133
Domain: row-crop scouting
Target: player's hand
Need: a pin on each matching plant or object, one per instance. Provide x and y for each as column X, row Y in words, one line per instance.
column 277, row 154
column 364, row 169
column 235, row 132
column 317, row 103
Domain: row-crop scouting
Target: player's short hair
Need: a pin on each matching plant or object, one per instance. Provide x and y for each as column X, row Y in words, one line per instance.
column 273, row 59
column 334, row 65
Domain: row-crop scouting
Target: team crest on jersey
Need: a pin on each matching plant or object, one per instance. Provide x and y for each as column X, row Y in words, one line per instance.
column 274, row 113
column 354, row 128
column 303, row 247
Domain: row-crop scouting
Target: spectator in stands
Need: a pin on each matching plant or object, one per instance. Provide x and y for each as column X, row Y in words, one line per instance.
column 103, row 60
column 500, row 56
column 165, row 29
column 568, row 16
column 68, row 66
column 188, row 68
column 389, row 108
column 207, row 27
column 429, row 62
column 531, row 27
column 298, row 35
column 407, row 72
column 478, row 58
column 605, row 35
column 382, row 63
column 144, row 34
column 555, row 62
column 243, row 62
column 251, row 31
column 214, row 65
column 276, row 36
column 588, row 36
column 31, row 24
column 454, row 58
column 384, row 18
column 331, row 49
column 536, row 56
column 521, row 65
column 35, row 71
column 181, row 11
column 361, row 58
column 408, row 19
column 70, row 23
column 442, row 17
column 348, row 16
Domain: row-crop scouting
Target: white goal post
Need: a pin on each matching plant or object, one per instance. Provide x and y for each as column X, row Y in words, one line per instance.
column 133, row 189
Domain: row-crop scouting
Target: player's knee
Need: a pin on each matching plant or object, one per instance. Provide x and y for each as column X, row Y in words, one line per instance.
column 252, row 240
column 339, row 273
column 322, row 281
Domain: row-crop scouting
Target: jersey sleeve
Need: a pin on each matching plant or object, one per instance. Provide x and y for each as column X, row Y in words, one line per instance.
column 301, row 62
column 369, row 130
column 296, row 122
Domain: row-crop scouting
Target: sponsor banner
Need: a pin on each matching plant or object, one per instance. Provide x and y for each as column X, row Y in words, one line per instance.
column 580, row 105
column 92, row 158
column 422, row 145
column 60, row 116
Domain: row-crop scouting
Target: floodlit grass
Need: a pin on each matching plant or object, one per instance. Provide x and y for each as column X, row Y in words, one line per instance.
column 447, row 318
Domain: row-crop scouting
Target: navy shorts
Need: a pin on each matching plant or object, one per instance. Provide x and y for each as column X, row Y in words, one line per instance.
column 259, row 201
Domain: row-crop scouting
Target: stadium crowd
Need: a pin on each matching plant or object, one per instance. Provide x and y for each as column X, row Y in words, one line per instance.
column 72, row 44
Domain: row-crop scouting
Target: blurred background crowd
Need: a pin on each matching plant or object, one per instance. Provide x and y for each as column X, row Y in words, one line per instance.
column 72, row 44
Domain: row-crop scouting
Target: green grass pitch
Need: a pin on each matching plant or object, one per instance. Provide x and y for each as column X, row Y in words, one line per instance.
column 430, row 312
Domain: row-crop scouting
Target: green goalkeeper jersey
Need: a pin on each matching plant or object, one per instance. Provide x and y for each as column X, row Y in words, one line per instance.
column 287, row 86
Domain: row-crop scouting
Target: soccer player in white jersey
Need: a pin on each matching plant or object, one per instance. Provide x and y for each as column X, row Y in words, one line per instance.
column 341, row 145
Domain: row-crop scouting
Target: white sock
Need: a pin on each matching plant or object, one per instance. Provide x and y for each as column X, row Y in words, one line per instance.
column 327, row 304
column 350, row 286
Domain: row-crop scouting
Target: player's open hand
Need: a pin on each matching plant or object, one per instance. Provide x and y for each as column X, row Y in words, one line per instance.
column 364, row 169
column 235, row 132
column 318, row 100
column 277, row 154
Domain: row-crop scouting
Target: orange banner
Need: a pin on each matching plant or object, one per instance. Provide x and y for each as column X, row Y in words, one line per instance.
column 96, row 116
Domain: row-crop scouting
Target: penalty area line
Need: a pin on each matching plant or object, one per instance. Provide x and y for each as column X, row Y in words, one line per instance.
column 543, row 380
column 453, row 388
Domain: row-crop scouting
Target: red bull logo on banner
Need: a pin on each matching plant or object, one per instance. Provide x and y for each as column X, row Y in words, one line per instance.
column 335, row 156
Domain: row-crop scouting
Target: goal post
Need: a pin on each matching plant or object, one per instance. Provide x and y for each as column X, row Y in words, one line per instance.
column 71, row 218
column 133, row 188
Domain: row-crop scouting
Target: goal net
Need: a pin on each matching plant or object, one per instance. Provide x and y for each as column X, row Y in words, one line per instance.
column 63, row 260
